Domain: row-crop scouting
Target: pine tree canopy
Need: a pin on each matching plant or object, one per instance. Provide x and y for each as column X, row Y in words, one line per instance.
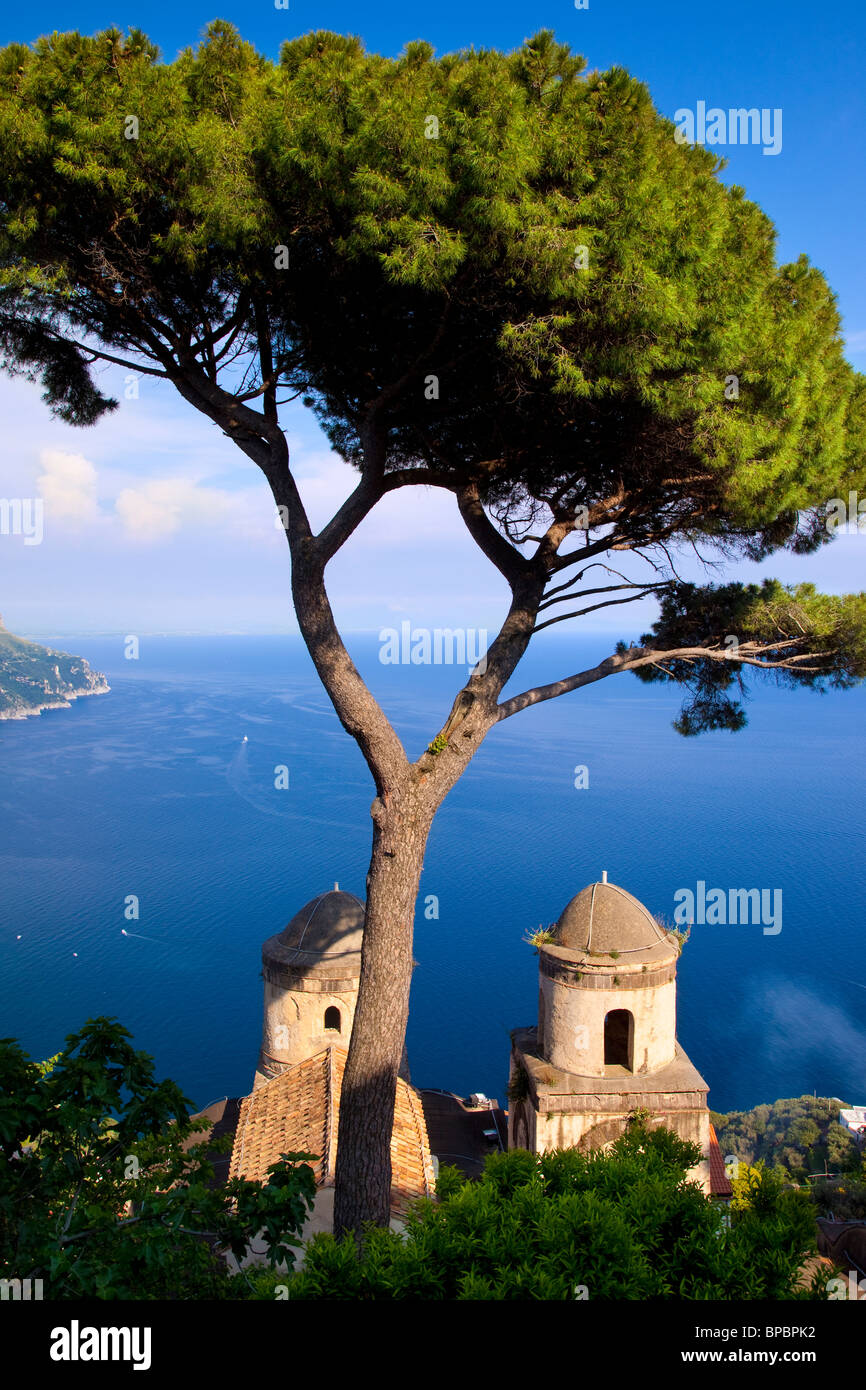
column 494, row 273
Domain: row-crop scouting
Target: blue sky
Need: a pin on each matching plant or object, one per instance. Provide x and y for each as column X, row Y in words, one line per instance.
column 155, row 523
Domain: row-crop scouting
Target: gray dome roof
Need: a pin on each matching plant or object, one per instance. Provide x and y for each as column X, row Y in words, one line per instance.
column 604, row 918
column 324, row 937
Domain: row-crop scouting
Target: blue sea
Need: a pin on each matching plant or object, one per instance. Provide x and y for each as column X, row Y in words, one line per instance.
column 151, row 791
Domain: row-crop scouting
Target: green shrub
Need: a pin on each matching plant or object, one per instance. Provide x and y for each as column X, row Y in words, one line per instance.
column 627, row 1223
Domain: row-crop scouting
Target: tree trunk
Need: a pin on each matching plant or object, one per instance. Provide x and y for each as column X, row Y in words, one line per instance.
column 363, row 1181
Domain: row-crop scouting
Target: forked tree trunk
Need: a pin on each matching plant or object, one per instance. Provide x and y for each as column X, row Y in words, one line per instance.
column 409, row 796
column 363, row 1185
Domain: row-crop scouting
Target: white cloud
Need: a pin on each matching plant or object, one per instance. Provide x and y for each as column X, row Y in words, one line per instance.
column 144, row 510
column 160, row 507
column 67, row 484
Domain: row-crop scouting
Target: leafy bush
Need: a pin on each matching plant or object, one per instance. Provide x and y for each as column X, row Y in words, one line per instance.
column 624, row 1224
column 100, row 1198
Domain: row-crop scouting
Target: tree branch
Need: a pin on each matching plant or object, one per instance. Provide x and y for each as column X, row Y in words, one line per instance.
column 604, row 589
column 589, row 551
column 370, row 490
column 576, row 578
column 500, row 552
column 97, row 354
column 747, row 654
column 608, row 603
column 266, row 360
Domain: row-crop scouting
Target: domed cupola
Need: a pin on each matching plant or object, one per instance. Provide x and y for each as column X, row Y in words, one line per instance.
column 322, row 941
column 607, row 986
column 604, row 918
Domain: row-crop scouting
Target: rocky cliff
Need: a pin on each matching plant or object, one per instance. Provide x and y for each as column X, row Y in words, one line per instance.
column 34, row 678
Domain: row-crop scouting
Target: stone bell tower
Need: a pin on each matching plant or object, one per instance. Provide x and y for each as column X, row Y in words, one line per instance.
column 606, row 1040
column 311, row 971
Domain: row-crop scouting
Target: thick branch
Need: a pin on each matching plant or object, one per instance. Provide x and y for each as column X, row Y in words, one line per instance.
column 266, row 361
column 747, row 653
column 260, row 438
column 357, row 709
column 589, row 551
column 370, row 490
column 498, row 550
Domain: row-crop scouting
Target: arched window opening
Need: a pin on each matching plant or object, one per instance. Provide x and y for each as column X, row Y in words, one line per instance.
column 619, row 1039
column 332, row 1018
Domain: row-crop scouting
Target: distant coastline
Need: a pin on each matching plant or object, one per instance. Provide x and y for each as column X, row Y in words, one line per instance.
column 34, row 678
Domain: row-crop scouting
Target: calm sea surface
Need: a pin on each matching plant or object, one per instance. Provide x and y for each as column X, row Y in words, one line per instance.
column 151, row 791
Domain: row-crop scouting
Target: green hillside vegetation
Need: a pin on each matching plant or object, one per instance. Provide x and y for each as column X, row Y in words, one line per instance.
column 33, row 677
column 801, row 1136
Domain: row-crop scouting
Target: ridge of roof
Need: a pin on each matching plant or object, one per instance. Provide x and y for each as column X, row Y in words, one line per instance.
column 299, row 1110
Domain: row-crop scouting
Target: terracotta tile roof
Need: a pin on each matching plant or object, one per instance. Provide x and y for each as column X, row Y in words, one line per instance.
column 720, row 1183
column 299, row 1111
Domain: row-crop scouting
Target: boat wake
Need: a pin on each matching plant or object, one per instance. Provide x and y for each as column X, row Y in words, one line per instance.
column 255, row 790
